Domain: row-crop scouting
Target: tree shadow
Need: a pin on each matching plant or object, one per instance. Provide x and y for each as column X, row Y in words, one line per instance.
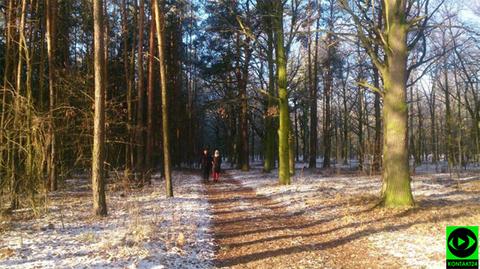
column 245, row 230
column 322, row 245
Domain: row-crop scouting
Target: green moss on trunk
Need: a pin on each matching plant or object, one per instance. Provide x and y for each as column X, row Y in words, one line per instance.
column 283, row 131
column 396, row 175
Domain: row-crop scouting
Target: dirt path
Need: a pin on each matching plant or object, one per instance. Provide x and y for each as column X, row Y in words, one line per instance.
column 254, row 231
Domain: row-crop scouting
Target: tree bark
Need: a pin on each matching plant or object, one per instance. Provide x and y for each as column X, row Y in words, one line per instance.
column 361, row 142
column 283, row 131
column 7, row 78
column 328, row 84
column 51, row 36
column 291, row 149
column 448, row 113
column 396, row 172
column 98, row 184
column 377, row 155
column 327, row 128
column 313, row 99
column 128, row 84
column 269, row 160
column 151, row 101
column 242, row 78
column 17, row 144
column 163, row 81
column 140, row 130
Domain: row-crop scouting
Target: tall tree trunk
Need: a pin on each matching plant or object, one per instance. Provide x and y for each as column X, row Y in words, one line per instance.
column 459, row 123
column 174, row 75
column 269, row 159
column 14, row 149
column 433, row 114
column 284, row 128
column 151, row 101
column 51, row 36
column 296, row 135
column 313, row 99
column 106, row 42
column 163, row 81
column 98, row 184
column 243, row 82
column 346, row 113
column 140, row 137
column 327, row 128
column 305, row 133
column 377, row 155
column 411, row 135
column 312, row 158
column 448, row 116
column 421, row 138
column 29, row 54
column 361, row 142
column 396, row 172
column 291, row 148
column 6, row 77
column 128, row 84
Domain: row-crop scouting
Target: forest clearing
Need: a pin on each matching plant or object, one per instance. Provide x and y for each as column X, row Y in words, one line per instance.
column 239, row 134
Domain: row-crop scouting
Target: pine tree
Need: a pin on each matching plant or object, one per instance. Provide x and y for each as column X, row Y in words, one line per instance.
column 50, row 34
column 159, row 23
column 98, row 174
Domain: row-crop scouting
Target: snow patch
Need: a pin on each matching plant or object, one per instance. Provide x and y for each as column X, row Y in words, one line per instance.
column 143, row 230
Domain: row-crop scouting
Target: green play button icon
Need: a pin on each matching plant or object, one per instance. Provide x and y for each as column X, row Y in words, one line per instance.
column 462, row 242
column 462, row 247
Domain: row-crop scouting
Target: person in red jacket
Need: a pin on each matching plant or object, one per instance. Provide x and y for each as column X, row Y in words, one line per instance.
column 216, row 165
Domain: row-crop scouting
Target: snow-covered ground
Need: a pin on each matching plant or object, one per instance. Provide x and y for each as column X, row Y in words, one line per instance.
column 143, row 230
column 146, row 230
column 421, row 244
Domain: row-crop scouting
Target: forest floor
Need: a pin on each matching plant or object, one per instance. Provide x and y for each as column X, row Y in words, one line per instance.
column 143, row 229
column 324, row 219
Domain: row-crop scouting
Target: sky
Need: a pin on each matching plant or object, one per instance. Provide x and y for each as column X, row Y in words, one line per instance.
column 467, row 12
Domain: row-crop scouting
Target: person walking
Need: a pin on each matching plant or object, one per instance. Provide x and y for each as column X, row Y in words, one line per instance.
column 206, row 164
column 216, row 163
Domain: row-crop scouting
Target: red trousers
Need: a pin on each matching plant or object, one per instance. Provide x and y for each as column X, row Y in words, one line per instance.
column 216, row 176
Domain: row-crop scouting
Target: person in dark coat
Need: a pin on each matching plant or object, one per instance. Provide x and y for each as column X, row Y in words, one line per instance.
column 217, row 164
column 206, row 164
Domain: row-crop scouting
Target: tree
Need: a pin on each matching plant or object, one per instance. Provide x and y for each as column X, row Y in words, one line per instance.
column 98, row 154
column 377, row 155
column 393, row 39
column 396, row 172
column 284, row 126
column 15, row 179
column 7, row 76
column 313, row 77
column 140, row 130
column 328, row 73
column 150, row 99
column 127, row 63
column 242, row 78
column 163, row 82
column 269, row 137
column 50, row 34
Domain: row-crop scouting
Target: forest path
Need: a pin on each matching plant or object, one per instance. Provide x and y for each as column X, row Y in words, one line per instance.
column 257, row 231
